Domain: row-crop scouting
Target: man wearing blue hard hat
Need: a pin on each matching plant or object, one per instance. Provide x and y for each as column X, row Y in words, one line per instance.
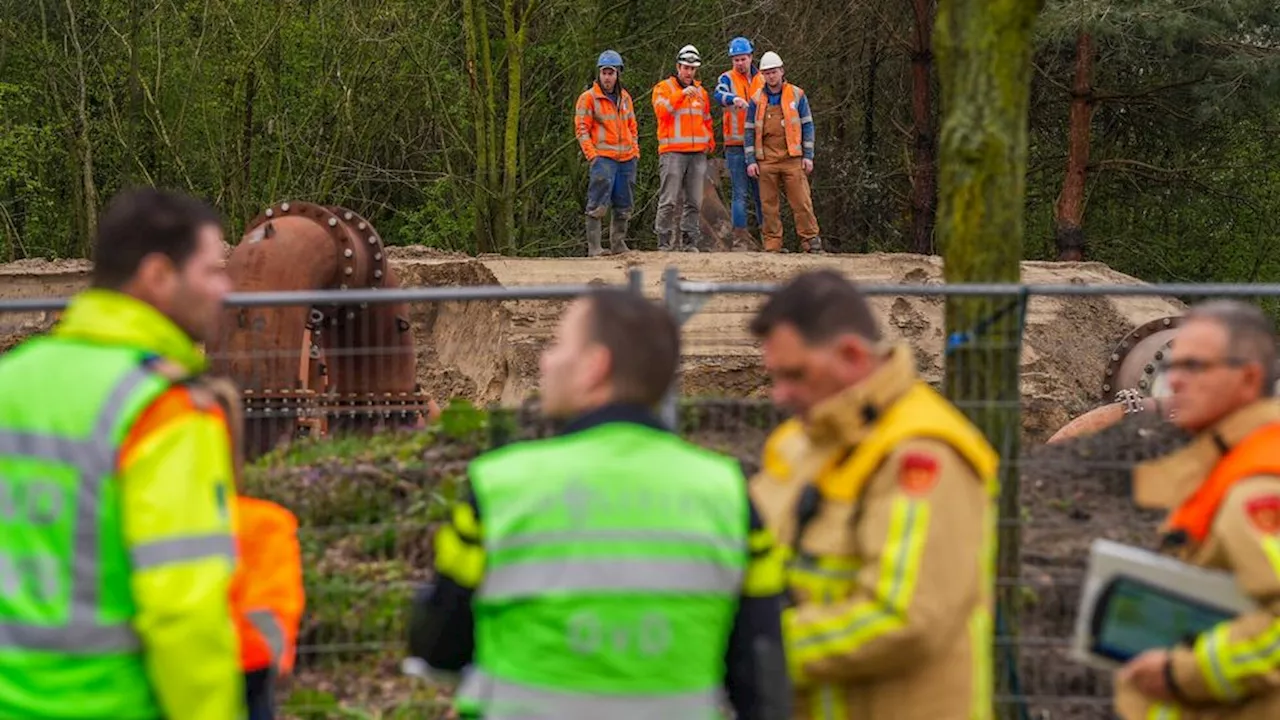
column 605, row 123
column 734, row 91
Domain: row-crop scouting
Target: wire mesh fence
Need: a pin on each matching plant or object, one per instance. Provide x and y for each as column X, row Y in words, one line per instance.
column 350, row 424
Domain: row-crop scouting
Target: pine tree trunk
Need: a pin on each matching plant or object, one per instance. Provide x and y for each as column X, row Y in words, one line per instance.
column 924, row 176
column 1069, row 212
column 983, row 50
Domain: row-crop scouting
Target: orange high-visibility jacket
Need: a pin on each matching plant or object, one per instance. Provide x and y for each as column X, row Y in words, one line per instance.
column 267, row 596
column 684, row 123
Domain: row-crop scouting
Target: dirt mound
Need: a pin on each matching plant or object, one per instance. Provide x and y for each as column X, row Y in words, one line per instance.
column 487, row 351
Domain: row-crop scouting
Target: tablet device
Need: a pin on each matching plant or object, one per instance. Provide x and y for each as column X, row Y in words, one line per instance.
column 1135, row 600
column 1132, row 616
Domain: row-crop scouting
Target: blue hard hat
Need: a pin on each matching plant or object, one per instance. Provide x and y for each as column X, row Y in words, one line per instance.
column 739, row 46
column 609, row 58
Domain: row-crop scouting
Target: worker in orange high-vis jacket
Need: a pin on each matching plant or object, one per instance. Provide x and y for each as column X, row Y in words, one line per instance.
column 779, row 151
column 734, row 91
column 1224, row 492
column 605, row 122
column 686, row 136
column 267, row 599
column 267, row 596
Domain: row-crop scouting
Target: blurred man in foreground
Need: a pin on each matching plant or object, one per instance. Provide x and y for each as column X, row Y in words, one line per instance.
column 1224, row 493
column 614, row 571
column 884, row 496
column 116, row 552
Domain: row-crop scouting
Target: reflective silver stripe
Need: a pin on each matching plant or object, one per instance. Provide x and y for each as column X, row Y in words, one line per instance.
column 537, row 577
column 526, row 540
column 94, row 459
column 506, row 700
column 268, row 625
column 74, row 638
column 181, row 549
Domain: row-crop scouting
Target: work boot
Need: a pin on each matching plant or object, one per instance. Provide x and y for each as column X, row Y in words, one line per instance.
column 618, row 235
column 742, row 241
column 813, row 245
column 664, row 242
column 594, row 230
column 688, row 243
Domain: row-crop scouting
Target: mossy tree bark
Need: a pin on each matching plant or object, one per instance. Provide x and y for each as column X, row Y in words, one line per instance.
column 983, row 50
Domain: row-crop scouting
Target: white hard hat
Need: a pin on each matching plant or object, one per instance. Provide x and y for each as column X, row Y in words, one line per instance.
column 770, row 60
column 688, row 55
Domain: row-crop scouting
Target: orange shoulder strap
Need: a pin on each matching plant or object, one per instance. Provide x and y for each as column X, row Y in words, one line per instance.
column 1257, row 454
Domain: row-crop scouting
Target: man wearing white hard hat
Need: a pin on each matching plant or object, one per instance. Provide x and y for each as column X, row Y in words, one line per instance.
column 779, row 149
column 685, row 137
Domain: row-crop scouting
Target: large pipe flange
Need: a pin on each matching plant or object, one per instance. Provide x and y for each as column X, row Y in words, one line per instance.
column 1135, row 362
column 370, row 242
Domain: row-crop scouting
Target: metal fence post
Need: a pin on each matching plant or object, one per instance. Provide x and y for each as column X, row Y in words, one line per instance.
column 671, row 297
column 635, row 281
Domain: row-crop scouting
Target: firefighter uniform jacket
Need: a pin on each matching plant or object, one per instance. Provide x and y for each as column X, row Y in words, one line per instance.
column 885, row 502
column 1224, row 489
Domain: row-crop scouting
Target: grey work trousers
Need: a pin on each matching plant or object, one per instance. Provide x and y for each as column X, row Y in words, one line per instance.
column 677, row 170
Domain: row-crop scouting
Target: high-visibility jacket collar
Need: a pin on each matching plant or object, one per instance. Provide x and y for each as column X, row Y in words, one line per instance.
column 617, row 412
column 615, row 98
column 850, row 415
column 1167, row 481
column 113, row 318
column 1178, row 480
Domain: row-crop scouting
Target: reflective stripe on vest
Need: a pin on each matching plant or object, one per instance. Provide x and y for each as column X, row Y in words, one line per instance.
column 612, row 581
column 94, row 460
column 506, row 700
column 612, row 138
column 687, row 132
column 792, row 123
column 735, row 119
column 269, row 627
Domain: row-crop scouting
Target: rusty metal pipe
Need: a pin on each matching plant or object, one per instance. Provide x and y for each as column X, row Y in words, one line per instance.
column 351, row 364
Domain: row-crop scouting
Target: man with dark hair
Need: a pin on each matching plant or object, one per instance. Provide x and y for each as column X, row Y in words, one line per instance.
column 117, row 552
column 883, row 495
column 615, row 571
column 1223, row 493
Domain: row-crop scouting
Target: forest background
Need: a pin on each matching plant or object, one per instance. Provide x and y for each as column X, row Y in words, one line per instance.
column 448, row 123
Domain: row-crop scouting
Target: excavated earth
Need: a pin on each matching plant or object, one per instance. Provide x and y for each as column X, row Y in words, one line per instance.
column 487, row 351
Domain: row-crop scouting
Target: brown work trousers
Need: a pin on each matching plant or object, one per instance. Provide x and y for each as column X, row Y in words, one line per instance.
column 786, row 175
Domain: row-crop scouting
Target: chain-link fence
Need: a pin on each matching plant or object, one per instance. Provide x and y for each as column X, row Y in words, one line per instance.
column 369, row 468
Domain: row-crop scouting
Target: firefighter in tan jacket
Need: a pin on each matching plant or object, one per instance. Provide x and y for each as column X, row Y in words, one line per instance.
column 1224, row 492
column 883, row 499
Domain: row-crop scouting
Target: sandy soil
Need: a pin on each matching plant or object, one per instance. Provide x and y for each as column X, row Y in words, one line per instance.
column 487, row 351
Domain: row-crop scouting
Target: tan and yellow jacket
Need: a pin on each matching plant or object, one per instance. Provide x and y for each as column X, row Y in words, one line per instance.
column 1225, row 491
column 893, row 575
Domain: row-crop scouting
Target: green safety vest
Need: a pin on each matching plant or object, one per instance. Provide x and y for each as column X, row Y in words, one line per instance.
column 67, row 646
column 614, row 559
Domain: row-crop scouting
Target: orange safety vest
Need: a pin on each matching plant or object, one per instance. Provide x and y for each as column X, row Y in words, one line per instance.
column 790, row 119
column 605, row 129
column 267, row 596
column 735, row 120
column 684, row 124
column 1257, row 454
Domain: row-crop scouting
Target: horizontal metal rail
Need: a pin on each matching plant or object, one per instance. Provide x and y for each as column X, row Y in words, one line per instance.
column 687, row 287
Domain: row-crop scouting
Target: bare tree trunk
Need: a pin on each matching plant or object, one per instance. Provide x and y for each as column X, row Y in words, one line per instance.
column 479, row 70
column 1069, row 211
column 924, row 178
column 84, row 144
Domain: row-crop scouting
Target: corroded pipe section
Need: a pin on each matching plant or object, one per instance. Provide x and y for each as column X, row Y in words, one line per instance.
column 1105, row 416
column 1135, row 361
column 1133, row 381
column 324, row 367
